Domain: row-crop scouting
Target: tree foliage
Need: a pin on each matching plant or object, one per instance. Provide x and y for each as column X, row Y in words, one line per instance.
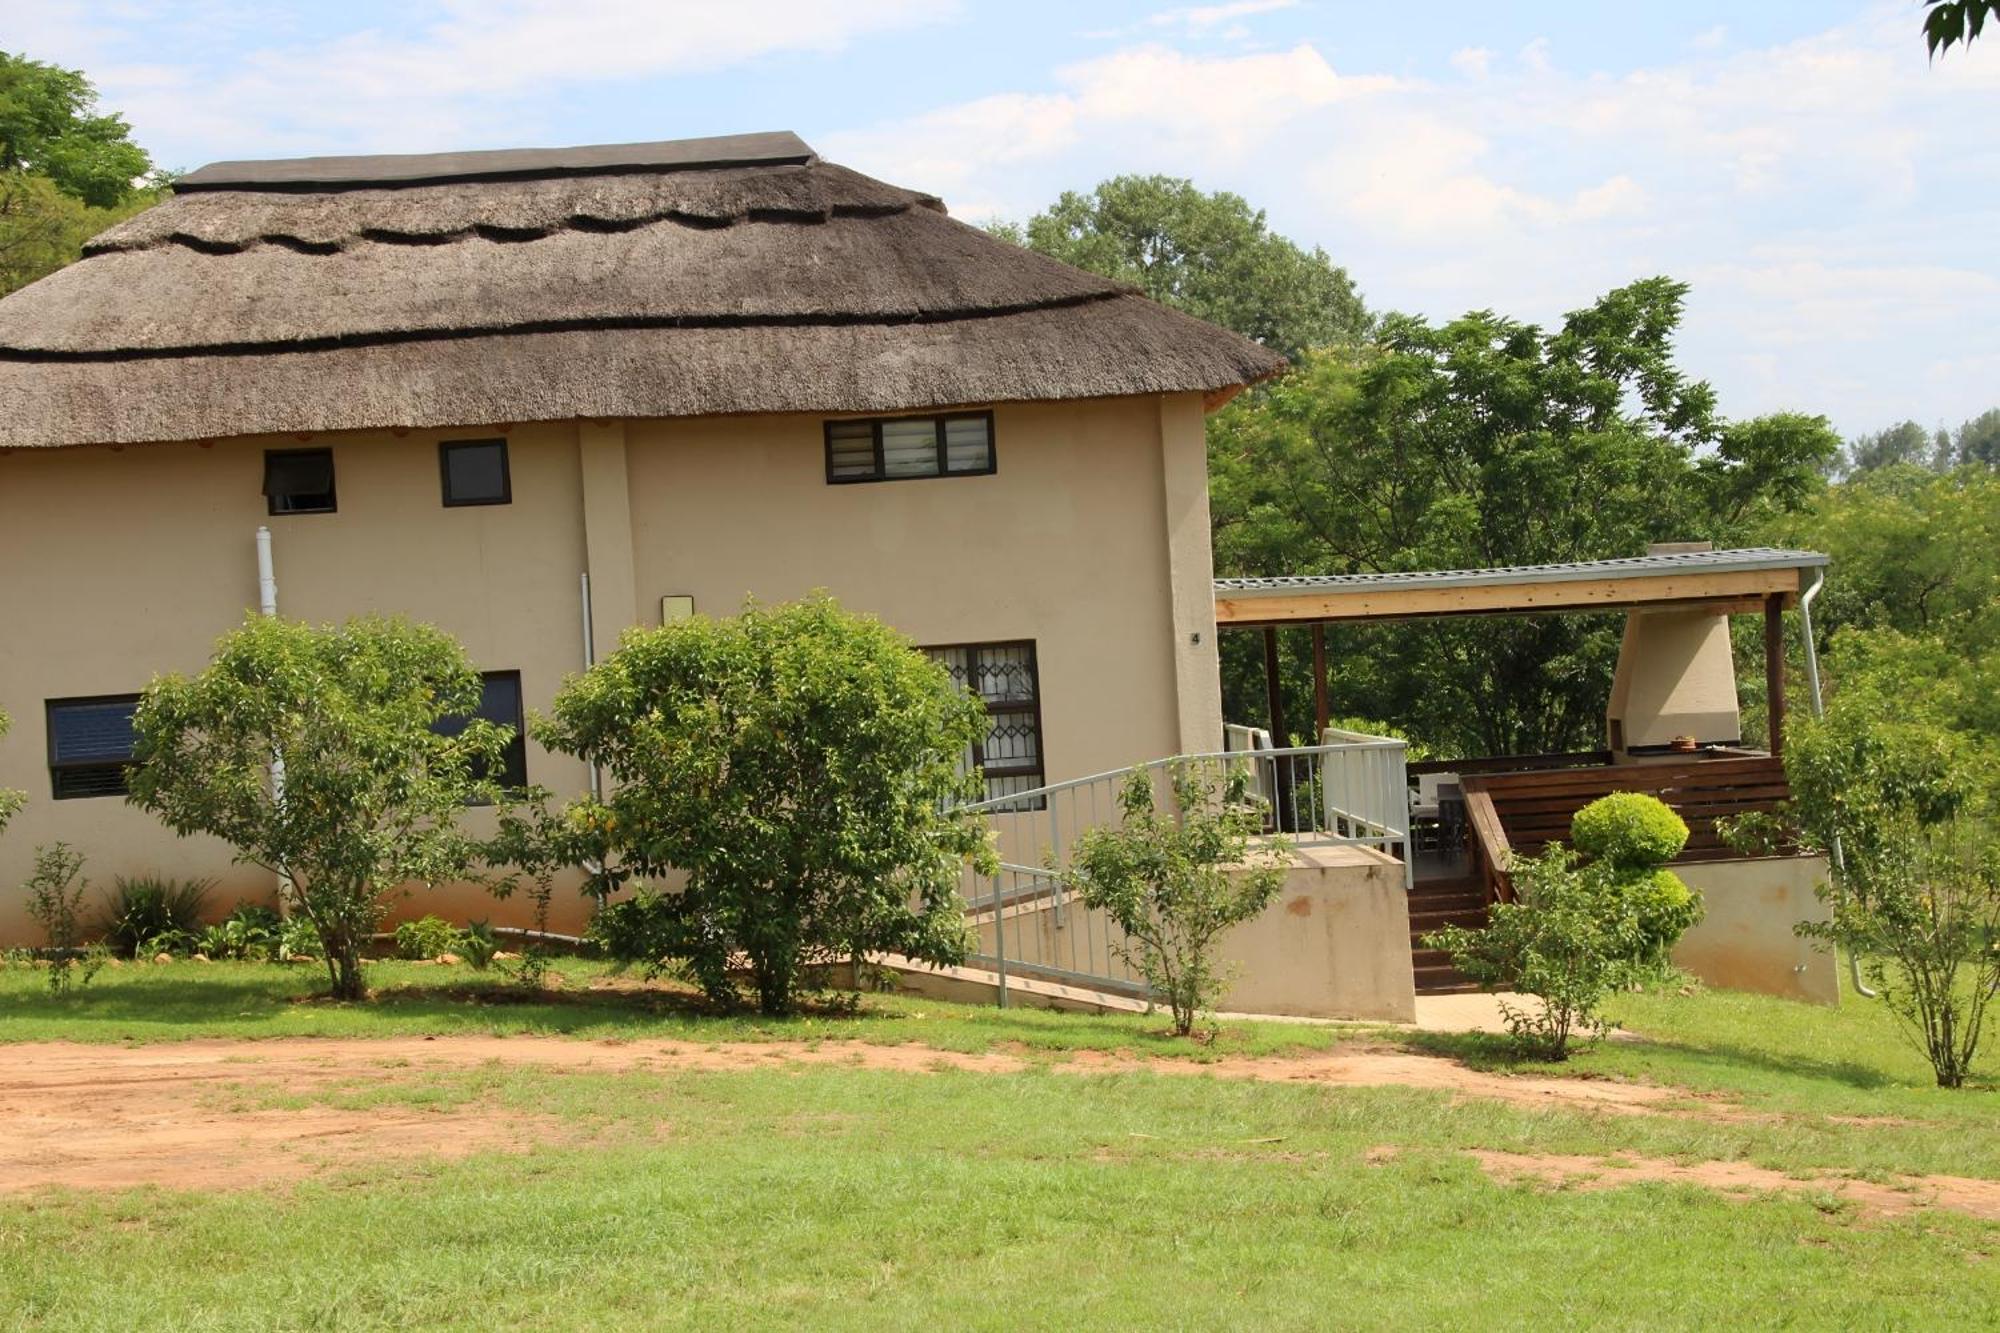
column 1211, row 255
column 10, row 800
column 372, row 792
column 1954, row 21
column 1175, row 881
column 1485, row 441
column 1578, row 930
column 1908, row 797
column 67, row 170
column 798, row 765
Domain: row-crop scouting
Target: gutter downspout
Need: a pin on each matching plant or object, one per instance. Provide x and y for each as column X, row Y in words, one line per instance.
column 589, row 661
column 267, row 605
column 1819, row 710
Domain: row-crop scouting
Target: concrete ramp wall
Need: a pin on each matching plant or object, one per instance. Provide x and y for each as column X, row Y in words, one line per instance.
column 1746, row 940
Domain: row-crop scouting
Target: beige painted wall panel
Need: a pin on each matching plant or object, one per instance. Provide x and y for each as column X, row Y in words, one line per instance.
column 1065, row 544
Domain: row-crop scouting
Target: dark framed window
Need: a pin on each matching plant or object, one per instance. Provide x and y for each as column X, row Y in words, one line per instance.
column 475, row 473
column 903, row 448
column 499, row 702
column 299, row 481
column 90, row 745
column 1007, row 681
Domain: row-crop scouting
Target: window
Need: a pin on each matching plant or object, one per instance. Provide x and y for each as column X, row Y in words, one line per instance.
column 898, row 448
column 299, row 481
column 1003, row 675
column 90, row 743
column 475, row 473
column 500, row 703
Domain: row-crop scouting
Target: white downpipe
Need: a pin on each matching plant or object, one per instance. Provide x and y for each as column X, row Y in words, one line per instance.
column 589, row 661
column 1819, row 710
column 267, row 605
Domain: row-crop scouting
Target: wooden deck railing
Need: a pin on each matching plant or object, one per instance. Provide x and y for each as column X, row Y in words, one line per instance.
column 1519, row 814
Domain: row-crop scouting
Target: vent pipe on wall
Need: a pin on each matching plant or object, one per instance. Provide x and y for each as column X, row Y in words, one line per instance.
column 267, row 605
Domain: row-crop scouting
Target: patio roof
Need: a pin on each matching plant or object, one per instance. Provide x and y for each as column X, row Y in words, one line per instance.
column 1734, row 580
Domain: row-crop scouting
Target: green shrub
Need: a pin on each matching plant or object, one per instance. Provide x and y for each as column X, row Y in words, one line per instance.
column 804, row 767
column 147, row 908
column 1579, row 930
column 426, row 938
column 1175, row 882
column 55, row 903
column 298, row 938
column 478, row 944
column 1629, row 828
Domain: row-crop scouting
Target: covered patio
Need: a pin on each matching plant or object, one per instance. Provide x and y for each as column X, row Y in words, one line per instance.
column 1672, row 722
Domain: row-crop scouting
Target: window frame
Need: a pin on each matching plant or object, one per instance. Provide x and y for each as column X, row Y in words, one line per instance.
column 516, row 748
column 57, row 767
column 445, row 449
column 971, row 650
column 939, row 421
column 332, row 482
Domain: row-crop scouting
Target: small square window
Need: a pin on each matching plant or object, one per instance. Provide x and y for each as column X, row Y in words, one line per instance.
column 475, row 472
column 299, row 481
column 90, row 745
column 499, row 703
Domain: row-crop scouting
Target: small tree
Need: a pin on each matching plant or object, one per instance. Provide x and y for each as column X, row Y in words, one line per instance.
column 799, row 764
column 1175, row 881
column 55, row 903
column 10, row 800
column 372, row 792
column 1578, row 930
column 1915, row 890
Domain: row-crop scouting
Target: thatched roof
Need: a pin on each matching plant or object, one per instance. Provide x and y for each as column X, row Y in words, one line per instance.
column 639, row 280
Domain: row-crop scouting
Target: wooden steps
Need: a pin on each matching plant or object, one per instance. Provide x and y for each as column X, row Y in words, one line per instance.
column 1436, row 903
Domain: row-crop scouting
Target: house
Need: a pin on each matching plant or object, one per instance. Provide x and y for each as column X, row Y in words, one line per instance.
column 536, row 397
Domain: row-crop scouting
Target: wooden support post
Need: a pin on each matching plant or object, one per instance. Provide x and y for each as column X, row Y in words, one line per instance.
column 1273, row 692
column 1774, row 669
column 1319, row 684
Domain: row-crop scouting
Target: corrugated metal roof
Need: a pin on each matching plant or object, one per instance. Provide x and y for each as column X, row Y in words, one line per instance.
column 1642, row 566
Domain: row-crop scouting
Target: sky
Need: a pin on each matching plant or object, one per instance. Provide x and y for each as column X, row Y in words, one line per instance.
column 1830, row 193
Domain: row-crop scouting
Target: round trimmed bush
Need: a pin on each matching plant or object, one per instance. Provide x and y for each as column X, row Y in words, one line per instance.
column 1629, row 828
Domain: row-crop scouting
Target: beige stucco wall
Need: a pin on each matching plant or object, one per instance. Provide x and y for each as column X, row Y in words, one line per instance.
column 1334, row 944
column 1675, row 677
column 117, row 564
column 1746, row 941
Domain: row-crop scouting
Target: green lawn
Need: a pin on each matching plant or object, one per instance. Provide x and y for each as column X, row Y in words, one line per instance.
column 849, row 1198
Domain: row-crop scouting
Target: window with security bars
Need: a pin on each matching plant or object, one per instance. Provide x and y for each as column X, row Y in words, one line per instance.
column 1003, row 675
column 901, row 448
column 90, row 745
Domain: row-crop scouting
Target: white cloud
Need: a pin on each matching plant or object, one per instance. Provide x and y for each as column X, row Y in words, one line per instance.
column 1200, row 17
column 1473, row 61
column 464, row 72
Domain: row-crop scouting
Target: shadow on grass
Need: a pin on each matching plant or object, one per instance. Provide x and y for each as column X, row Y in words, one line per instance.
column 1723, row 1062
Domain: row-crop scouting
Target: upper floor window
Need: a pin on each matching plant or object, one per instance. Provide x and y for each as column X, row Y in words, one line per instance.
column 299, row 481
column 475, row 472
column 897, row 448
column 499, row 703
column 1005, row 678
column 90, row 744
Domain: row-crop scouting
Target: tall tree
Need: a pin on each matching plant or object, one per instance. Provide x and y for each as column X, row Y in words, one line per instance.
column 67, row 170
column 1483, row 442
column 1211, row 255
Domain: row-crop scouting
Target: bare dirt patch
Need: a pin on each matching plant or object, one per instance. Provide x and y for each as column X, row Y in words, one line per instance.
column 110, row 1117
column 1979, row 1198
